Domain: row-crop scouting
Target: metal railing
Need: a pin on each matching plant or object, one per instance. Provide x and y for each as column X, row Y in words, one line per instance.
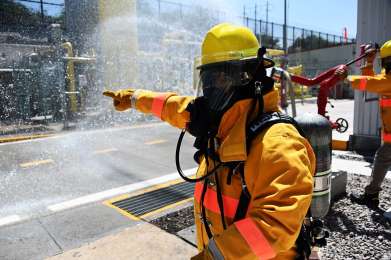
column 298, row 39
column 161, row 8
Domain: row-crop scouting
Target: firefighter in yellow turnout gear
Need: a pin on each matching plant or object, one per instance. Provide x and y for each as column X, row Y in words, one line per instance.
column 380, row 84
column 278, row 165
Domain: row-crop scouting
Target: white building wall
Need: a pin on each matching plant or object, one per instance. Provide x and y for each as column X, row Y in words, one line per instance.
column 316, row 61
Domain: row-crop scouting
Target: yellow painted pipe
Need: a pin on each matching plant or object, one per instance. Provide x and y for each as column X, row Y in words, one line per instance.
column 70, row 75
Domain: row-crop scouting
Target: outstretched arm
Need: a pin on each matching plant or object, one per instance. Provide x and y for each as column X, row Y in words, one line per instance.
column 379, row 84
column 167, row 106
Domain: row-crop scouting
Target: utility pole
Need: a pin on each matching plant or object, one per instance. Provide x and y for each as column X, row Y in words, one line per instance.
column 158, row 4
column 285, row 31
column 267, row 15
column 244, row 14
column 255, row 19
column 42, row 15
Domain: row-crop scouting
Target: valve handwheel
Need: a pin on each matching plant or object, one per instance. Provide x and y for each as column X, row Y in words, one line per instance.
column 342, row 125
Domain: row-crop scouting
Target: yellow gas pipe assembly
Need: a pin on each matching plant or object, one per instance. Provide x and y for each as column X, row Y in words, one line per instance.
column 70, row 73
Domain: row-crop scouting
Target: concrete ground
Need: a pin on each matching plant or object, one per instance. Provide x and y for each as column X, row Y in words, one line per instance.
column 170, row 246
column 151, row 243
column 94, row 230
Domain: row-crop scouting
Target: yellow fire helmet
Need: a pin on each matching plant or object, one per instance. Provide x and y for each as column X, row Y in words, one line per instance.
column 227, row 42
column 230, row 49
column 385, row 50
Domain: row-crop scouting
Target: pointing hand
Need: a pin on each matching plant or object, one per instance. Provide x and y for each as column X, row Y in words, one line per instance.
column 121, row 98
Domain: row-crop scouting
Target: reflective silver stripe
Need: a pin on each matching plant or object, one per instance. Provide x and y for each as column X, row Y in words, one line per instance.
column 323, row 173
column 214, row 250
column 320, row 193
column 322, row 182
column 133, row 99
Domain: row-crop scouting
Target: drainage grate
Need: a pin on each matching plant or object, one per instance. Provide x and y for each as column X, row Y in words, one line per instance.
column 145, row 203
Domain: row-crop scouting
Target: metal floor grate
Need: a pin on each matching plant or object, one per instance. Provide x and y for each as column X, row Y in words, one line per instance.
column 148, row 202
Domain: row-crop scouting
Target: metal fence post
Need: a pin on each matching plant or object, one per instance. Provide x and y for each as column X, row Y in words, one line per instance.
column 260, row 32
column 312, row 39
column 327, row 38
column 319, row 41
column 272, row 35
column 293, row 37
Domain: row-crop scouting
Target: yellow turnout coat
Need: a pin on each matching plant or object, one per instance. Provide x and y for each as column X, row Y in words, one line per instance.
column 278, row 170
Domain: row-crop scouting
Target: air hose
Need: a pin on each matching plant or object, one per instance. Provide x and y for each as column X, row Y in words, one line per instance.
column 178, row 164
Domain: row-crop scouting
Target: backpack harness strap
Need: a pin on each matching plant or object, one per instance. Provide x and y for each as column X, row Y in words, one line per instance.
column 303, row 242
column 255, row 128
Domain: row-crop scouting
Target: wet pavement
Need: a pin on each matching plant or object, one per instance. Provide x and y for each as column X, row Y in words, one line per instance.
column 53, row 188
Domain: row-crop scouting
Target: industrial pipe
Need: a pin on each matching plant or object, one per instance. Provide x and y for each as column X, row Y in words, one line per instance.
column 70, row 75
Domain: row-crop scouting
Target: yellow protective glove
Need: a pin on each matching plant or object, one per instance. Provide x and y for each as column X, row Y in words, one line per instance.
column 121, row 98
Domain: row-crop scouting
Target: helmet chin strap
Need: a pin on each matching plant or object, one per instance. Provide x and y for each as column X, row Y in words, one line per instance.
column 259, row 79
column 386, row 64
column 259, row 96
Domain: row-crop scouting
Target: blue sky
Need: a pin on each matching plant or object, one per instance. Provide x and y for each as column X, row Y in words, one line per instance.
column 329, row 16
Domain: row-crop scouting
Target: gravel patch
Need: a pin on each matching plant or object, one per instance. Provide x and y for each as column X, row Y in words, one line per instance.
column 356, row 232
column 352, row 156
column 175, row 221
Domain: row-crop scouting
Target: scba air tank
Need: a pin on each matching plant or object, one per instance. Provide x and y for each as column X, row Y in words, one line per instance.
column 318, row 132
